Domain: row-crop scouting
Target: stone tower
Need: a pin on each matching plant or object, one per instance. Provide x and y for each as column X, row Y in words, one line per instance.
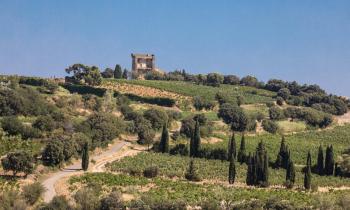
column 143, row 63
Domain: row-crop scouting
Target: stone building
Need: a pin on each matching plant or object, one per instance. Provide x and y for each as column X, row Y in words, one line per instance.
column 143, row 63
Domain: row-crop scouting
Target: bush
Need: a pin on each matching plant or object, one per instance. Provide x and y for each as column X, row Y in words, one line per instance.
column 279, row 101
column 270, row 126
column 33, row 192
column 276, row 113
column 214, row 79
column 112, row 202
column 57, row 203
column 44, row 123
column 53, row 153
column 102, row 128
column 157, row 117
column 231, row 80
column 161, row 101
column 151, row 172
column 179, row 149
column 18, row 162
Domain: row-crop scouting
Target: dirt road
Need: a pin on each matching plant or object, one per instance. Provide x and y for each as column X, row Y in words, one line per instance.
column 75, row 169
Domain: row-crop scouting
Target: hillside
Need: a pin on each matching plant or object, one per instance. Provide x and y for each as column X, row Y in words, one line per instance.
column 174, row 143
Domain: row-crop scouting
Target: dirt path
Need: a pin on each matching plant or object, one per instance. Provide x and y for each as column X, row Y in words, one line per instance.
column 75, row 169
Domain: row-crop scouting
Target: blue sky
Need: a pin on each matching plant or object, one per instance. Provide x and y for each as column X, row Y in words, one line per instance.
column 302, row 40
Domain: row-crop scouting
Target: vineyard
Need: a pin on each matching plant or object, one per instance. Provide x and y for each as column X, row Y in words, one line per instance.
column 161, row 190
column 251, row 95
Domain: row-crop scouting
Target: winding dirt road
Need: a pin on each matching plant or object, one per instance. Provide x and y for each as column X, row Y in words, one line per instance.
column 75, row 169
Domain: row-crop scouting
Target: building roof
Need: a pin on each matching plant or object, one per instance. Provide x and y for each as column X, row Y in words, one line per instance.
column 141, row 55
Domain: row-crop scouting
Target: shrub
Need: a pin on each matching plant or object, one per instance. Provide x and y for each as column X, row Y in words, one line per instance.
column 33, row 192
column 191, row 173
column 157, row 117
column 279, row 101
column 44, row 123
column 231, row 80
column 151, row 172
column 214, row 79
column 18, row 162
column 276, row 113
column 270, row 126
column 87, row 198
column 284, row 93
column 53, row 153
column 179, row 149
column 112, row 202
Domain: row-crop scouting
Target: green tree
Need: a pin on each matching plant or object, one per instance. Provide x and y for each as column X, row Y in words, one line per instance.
column 214, row 79
column 85, row 74
column 307, row 173
column 85, row 157
column 164, row 140
column 232, row 170
column 231, row 148
column 108, row 73
column 284, row 93
column 233, row 115
column 290, row 174
column 320, row 161
column 282, row 159
column 241, row 157
column 53, row 153
column 329, row 162
column 195, row 141
column 18, row 162
column 251, row 173
column 118, row 73
column 157, row 117
column 191, row 173
column 125, row 74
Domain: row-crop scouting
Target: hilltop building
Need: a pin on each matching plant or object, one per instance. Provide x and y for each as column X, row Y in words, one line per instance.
column 143, row 64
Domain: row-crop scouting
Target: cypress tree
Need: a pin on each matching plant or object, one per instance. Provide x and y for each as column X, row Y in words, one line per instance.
column 329, row 163
column 164, row 140
column 282, row 159
column 85, row 157
column 241, row 157
column 191, row 173
column 320, row 161
column 307, row 175
column 232, row 171
column 118, row 72
column 231, row 148
column 249, row 178
column 125, row 74
column 265, row 178
column 290, row 173
column 196, row 140
column 192, row 152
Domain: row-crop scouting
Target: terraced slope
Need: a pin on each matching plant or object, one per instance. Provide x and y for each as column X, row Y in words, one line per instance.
column 251, row 95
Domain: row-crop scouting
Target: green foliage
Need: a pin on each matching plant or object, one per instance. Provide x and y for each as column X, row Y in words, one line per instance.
column 151, row 172
column 108, row 73
column 83, row 74
column 329, row 161
column 307, row 173
column 242, row 156
column 257, row 172
column 270, row 126
column 231, row 152
column 191, row 173
column 44, row 123
column 18, row 162
column 200, row 103
column 231, row 80
column 195, row 142
column 284, row 93
column 118, row 72
column 112, row 201
column 33, row 192
column 87, row 198
column 290, row 174
column 214, row 79
column 125, row 74
column 320, row 161
column 179, row 149
column 164, row 140
column 53, row 153
column 84, row 89
column 234, row 116
column 102, row 128
column 283, row 157
column 276, row 113
column 232, row 170
column 85, row 157
column 157, row 117
column 57, row 203
column 161, row 101
column 250, row 81
column 207, row 92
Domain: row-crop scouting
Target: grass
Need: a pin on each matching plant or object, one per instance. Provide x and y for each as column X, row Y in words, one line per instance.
column 251, row 95
column 168, row 190
column 287, row 126
column 176, row 166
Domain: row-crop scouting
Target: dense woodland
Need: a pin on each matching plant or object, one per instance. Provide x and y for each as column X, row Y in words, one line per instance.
column 52, row 122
